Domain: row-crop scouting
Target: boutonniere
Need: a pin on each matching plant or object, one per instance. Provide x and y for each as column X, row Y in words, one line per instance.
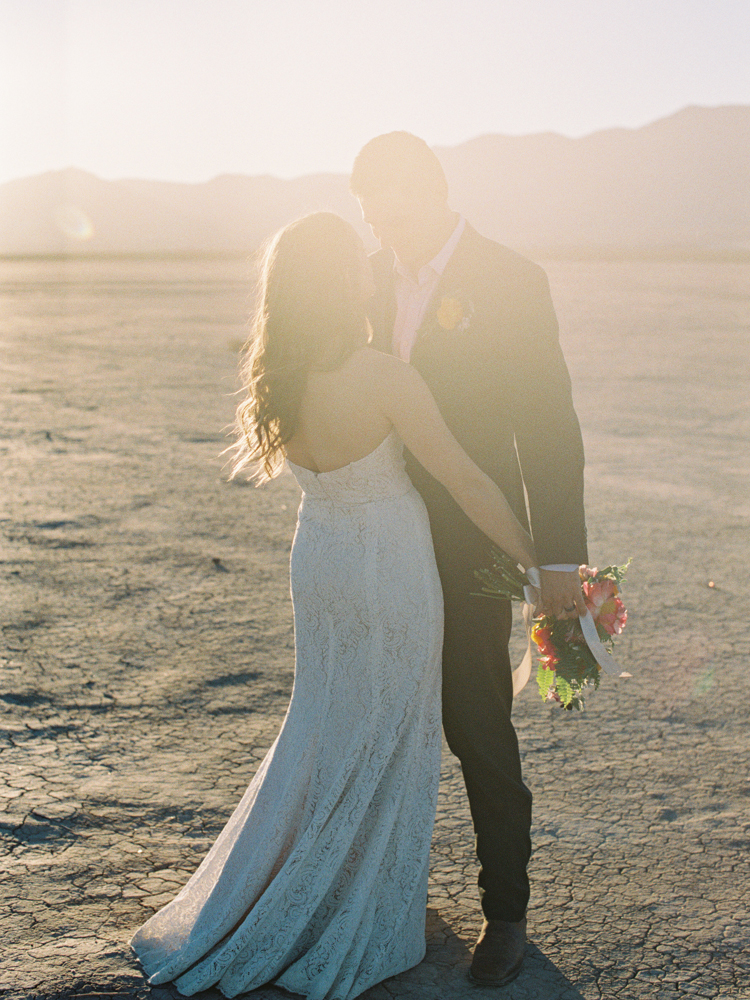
column 454, row 312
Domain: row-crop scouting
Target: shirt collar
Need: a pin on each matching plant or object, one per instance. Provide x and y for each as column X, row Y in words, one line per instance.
column 439, row 262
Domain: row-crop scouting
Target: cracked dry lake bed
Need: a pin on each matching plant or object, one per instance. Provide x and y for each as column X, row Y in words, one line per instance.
column 147, row 647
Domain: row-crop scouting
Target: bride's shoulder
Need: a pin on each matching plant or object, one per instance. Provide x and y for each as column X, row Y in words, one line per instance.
column 380, row 365
column 389, row 387
column 384, row 377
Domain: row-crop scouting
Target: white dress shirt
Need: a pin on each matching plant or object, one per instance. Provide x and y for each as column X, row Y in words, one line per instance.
column 413, row 296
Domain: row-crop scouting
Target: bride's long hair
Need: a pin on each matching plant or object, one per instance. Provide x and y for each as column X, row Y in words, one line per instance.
column 309, row 316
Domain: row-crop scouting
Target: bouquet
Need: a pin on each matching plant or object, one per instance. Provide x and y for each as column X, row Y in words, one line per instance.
column 571, row 657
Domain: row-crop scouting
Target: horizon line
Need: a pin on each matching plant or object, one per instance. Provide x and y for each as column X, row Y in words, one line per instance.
column 573, row 252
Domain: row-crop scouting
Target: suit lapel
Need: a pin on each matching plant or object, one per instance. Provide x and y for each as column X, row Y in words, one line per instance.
column 460, row 271
column 459, row 276
column 457, row 281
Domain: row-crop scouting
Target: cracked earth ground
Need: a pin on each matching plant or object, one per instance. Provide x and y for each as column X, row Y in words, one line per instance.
column 147, row 644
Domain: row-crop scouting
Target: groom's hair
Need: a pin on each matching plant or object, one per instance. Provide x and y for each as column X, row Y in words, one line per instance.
column 397, row 159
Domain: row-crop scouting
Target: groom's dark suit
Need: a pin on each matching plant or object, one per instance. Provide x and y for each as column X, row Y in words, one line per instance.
column 488, row 349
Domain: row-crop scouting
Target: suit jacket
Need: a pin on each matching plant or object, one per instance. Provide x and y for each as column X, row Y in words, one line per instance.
column 489, row 351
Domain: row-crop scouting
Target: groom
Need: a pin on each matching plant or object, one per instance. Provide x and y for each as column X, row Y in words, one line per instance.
column 476, row 320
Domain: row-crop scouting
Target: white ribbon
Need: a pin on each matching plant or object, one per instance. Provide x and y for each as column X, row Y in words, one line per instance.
column 600, row 653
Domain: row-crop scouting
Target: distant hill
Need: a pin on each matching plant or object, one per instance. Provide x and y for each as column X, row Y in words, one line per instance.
column 70, row 211
column 681, row 183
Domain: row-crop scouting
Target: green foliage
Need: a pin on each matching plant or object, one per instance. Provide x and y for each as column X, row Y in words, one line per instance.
column 616, row 573
column 544, row 680
column 564, row 691
column 575, row 668
column 504, row 579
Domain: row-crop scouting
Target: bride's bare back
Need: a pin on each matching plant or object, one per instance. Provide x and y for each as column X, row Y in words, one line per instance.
column 341, row 417
column 345, row 414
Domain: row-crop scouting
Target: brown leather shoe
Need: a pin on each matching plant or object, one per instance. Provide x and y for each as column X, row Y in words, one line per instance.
column 499, row 953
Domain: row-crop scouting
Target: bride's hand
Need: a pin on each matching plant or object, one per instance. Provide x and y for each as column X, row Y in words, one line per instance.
column 561, row 597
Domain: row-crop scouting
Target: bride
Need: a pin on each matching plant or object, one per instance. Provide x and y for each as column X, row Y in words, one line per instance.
column 318, row 882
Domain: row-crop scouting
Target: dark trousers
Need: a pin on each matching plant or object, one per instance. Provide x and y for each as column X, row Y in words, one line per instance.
column 477, row 701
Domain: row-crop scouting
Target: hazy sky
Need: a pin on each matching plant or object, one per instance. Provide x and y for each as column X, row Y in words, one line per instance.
column 187, row 89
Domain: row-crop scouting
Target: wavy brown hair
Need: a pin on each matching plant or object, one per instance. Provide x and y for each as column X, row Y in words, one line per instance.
column 309, row 316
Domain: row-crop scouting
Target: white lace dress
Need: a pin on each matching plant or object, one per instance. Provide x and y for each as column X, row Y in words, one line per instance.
column 318, row 882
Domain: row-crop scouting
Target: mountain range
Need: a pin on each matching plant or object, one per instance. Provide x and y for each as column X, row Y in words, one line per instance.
column 678, row 184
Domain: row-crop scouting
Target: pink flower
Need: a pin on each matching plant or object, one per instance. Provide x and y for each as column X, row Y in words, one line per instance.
column 596, row 592
column 613, row 616
column 605, row 606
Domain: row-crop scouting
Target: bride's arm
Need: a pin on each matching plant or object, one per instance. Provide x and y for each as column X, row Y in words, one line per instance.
column 410, row 406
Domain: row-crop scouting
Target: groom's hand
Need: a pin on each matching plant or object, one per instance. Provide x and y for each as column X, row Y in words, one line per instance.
column 561, row 594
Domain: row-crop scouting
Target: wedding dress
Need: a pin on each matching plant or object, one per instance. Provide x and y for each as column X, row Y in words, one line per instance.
column 318, row 882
